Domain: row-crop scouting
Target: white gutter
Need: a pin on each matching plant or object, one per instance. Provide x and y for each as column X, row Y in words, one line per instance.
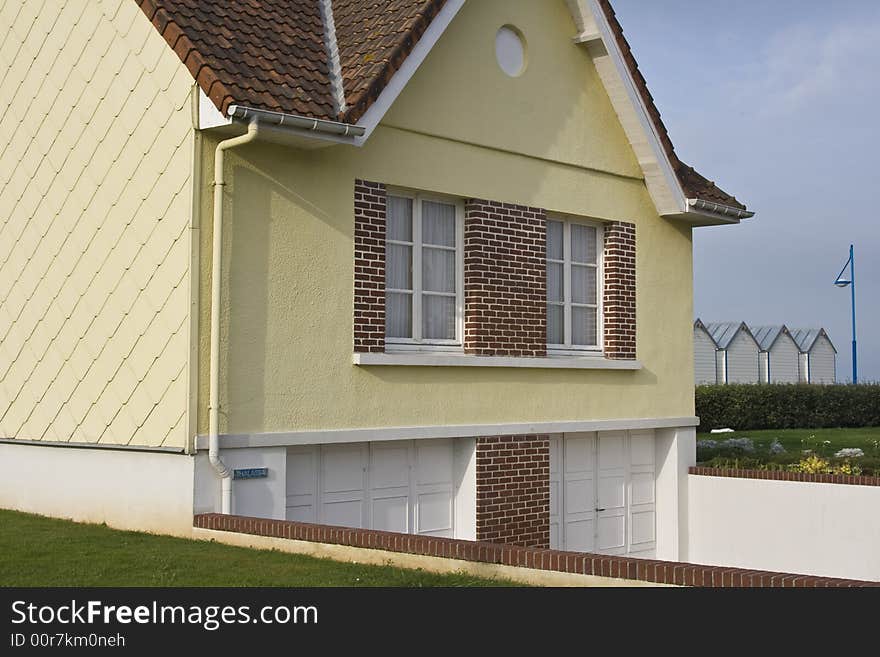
column 718, row 208
column 293, row 121
column 219, row 466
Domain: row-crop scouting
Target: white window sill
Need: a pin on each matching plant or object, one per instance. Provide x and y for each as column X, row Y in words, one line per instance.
column 462, row 360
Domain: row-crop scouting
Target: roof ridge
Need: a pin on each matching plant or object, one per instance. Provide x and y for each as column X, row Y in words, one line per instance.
column 334, row 64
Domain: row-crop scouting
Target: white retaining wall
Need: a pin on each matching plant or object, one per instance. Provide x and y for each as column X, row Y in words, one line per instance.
column 145, row 491
column 796, row 527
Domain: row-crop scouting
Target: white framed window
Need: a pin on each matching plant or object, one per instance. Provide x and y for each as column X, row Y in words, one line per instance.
column 574, row 286
column 424, row 272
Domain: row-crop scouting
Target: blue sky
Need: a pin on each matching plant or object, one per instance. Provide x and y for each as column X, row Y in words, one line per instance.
column 777, row 101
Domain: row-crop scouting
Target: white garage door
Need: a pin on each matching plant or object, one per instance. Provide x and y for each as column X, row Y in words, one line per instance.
column 402, row 486
column 602, row 492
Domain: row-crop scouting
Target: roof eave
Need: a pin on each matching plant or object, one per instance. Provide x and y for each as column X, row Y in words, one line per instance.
column 709, row 213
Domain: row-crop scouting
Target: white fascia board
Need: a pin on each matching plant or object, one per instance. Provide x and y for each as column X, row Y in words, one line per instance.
column 331, row 436
column 401, row 77
column 663, row 184
column 596, row 36
column 209, row 115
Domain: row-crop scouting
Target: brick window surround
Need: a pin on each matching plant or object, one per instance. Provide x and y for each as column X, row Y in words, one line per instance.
column 513, row 490
column 505, row 287
column 370, row 203
column 619, row 293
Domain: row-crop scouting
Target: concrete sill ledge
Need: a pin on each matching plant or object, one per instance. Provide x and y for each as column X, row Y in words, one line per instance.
column 462, row 360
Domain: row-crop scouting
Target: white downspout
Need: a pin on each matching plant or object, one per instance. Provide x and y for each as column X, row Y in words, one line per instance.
column 219, row 466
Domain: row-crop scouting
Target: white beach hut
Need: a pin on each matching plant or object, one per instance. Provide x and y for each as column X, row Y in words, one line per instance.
column 818, row 357
column 738, row 355
column 780, row 355
column 705, row 369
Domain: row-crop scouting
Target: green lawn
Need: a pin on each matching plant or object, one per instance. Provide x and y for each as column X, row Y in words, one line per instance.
column 39, row 551
column 822, row 442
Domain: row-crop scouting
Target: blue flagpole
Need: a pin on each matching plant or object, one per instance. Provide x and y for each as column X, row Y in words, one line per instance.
column 852, row 285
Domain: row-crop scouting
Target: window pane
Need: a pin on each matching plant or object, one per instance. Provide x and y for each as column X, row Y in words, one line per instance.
column 555, row 281
column 583, row 243
column 583, row 284
column 438, row 270
column 583, row 326
column 398, row 266
column 400, row 212
column 555, row 321
column 438, row 317
column 398, row 315
column 554, row 240
column 438, row 223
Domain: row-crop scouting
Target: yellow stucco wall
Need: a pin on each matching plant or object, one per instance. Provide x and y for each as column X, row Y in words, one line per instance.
column 548, row 138
column 96, row 154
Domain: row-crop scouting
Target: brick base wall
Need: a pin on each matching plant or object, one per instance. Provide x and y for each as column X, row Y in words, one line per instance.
column 370, row 207
column 619, row 294
column 513, row 490
column 580, row 563
column 505, row 287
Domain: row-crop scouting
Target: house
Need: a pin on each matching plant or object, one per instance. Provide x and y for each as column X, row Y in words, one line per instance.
column 425, row 270
column 705, row 355
column 738, row 355
column 780, row 355
column 818, row 356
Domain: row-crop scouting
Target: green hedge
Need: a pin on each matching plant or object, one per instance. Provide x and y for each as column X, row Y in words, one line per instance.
column 787, row 406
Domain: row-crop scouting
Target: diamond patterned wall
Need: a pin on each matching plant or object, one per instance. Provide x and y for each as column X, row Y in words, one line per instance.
column 96, row 145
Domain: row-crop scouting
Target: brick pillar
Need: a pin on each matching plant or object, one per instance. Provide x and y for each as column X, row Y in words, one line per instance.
column 513, row 490
column 619, row 294
column 505, row 285
column 370, row 202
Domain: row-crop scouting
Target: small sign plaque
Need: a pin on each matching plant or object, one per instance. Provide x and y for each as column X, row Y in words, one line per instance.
column 250, row 473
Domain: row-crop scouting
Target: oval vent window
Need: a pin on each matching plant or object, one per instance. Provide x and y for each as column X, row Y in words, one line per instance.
column 510, row 50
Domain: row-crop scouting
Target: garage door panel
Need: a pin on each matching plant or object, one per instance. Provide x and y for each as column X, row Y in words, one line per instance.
column 555, row 492
column 642, row 528
column 611, row 449
column 579, row 448
column 346, row 513
column 580, row 535
column 612, row 491
column 302, row 484
column 434, row 513
column 401, row 486
column 642, row 448
column 579, row 496
column 433, row 461
column 603, row 492
column 342, row 469
column 611, row 533
column 389, row 465
column 391, row 513
column 642, row 488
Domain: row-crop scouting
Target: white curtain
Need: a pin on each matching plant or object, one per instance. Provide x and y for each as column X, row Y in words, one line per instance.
column 554, row 240
column 555, row 324
column 583, row 284
column 583, row 243
column 438, row 224
column 399, row 221
column 438, row 317
column 583, row 326
column 438, row 270
column 555, row 281
column 398, row 267
column 398, row 315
